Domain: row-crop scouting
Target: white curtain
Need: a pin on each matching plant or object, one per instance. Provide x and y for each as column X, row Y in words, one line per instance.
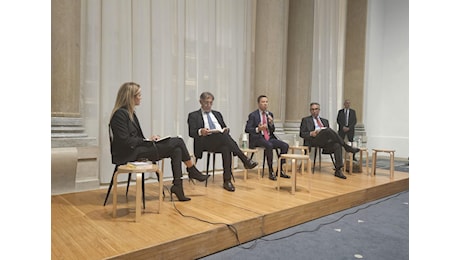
column 328, row 56
column 175, row 50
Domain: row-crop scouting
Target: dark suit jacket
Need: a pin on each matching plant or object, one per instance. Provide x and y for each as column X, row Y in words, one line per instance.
column 195, row 122
column 351, row 119
column 253, row 122
column 306, row 126
column 128, row 139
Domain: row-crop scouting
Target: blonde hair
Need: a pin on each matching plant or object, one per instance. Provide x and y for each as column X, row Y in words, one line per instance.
column 125, row 98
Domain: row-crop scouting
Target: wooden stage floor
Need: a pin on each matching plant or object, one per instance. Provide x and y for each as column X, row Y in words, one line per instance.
column 82, row 228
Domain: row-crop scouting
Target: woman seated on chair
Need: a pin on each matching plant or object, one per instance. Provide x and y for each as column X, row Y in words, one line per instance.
column 129, row 143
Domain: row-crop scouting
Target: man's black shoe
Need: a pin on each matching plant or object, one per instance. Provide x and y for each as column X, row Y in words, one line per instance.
column 229, row 186
column 284, row 175
column 272, row 176
column 352, row 149
column 339, row 174
column 250, row 164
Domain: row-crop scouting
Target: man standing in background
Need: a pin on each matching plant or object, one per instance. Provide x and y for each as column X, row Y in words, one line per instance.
column 346, row 119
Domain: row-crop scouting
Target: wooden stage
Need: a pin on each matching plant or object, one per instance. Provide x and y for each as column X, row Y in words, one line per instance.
column 82, row 228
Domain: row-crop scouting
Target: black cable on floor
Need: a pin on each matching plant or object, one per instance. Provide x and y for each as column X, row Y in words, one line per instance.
column 230, row 227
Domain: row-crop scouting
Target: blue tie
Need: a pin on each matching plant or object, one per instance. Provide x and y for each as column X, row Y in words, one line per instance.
column 211, row 124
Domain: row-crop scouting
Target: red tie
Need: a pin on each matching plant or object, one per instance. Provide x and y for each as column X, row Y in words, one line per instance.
column 319, row 122
column 264, row 121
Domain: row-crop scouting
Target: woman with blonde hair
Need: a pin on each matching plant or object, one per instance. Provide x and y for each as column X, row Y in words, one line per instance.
column 129, row 143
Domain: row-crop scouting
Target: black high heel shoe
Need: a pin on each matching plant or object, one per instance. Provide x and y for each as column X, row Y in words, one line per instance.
column 179, row 192
column 193, row 173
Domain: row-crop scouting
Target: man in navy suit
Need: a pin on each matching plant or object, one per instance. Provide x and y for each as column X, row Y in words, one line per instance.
column 260, row 127
column 210, row 133
column 315, row 131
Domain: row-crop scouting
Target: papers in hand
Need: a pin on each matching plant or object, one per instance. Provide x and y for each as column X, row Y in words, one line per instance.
column 215, row 131
column 158, row 140
column 163, row 138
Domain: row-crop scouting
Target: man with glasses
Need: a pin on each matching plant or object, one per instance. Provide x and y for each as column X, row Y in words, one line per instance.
column 210, row 133
column 316, row 132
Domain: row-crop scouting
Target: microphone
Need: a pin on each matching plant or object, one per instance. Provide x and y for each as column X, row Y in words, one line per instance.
column 268, row 116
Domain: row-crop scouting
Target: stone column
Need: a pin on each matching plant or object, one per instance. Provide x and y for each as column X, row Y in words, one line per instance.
column 65, row 58
column 355, row 55
column 270, row 55
column 74, row 155
column 299, row 63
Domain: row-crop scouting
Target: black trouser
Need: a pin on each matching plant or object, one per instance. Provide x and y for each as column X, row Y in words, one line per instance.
column 223, row 143
column 331, row 141
column 173, row 148
column 269, row 145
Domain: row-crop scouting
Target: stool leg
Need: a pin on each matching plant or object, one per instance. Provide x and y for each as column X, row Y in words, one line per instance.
column 392, row 165
column 114, row 195
column 258, row 167
column 367, row 162
column 278, row 173
column 138, row 196
column 245, row 171
column 160, row 182
column 350, row 158
column 374, row 163
column 293, row 174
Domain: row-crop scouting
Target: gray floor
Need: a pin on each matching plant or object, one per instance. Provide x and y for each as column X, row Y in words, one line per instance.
column 375, row 230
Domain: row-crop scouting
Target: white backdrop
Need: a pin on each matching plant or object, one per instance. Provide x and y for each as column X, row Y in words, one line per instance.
column 386, row 102
column 175, row 50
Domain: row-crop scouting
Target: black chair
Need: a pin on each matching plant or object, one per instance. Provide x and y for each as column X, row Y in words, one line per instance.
column 278, row 152
column 129, row 177
column 208, row 156
column 319, row 151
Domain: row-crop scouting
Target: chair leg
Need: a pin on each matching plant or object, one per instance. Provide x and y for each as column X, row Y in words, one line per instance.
column 314, row 160
column 143, row 190
column 110, row 186
column 158, row 178
column 207, row 168
column 263, row 165
column 333, row 161
column 320, row 151
column 127, row 186
column 213, row 165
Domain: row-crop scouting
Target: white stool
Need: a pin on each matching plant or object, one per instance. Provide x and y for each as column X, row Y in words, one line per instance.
column 294, row 158
column 350, row 159
column 138, row 170
column 392, row 160
column 256, row 152
column 304, row 151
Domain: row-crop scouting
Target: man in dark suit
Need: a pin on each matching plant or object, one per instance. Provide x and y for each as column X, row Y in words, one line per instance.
column 210, row 133
column 346, row 119
column 316, row 132
column 260, row 127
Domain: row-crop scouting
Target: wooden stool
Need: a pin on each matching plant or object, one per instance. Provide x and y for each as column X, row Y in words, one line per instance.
column 350, row 158
column 392, row 160
column 294, row 158
column 256, row 152
column 304, row 151
column 138, row 169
